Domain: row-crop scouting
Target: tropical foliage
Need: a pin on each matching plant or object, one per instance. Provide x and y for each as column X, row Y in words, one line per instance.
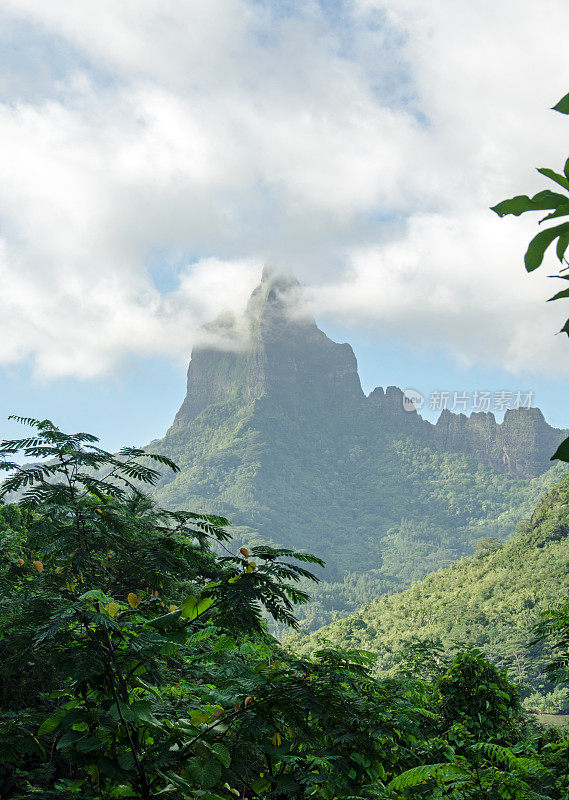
column 135, row 662
column 490, row 601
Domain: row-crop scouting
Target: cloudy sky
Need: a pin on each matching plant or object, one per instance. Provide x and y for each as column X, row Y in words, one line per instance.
column 154, row 154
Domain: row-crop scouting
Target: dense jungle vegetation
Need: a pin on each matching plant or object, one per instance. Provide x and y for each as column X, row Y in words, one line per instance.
column 490, row 600
column 134, row 662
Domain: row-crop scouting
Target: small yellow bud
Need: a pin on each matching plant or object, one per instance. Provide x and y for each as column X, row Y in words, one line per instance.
column 38, row 565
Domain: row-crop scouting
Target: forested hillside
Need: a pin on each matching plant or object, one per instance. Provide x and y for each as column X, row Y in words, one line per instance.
column 135, row 662
column 490, row 600
column 277, row 435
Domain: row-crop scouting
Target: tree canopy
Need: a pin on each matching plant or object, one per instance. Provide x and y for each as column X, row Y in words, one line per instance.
column 135, row 662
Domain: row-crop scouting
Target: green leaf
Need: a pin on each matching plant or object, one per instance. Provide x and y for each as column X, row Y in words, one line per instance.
column 248, row 649
column 221, row 752
column 192, row 607
column 562, row 245
column 90, row 744
column 49, row 725
column 559, row 295
column 126, row 760
column 260, row 785
column 70, row 738
column 522, row 203
column 514, row 205
column 561, row 211
column 206, row 773
column 418, row 775
column 539, row 244
column 562, row 452
column 141, row 711
column 162, row 622
column 554, row 176
column 94, row 594
column 178, row 781
column 199, row 717
column 563, row 105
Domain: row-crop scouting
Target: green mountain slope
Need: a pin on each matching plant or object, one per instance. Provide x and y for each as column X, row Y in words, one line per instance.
column 276, row 433
column 489, row 600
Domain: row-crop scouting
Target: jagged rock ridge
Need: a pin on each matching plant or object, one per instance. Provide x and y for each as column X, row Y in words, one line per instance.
column 287, row 357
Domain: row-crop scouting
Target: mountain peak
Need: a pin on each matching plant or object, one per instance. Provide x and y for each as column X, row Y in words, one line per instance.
column 286, row 357
column 275, row 303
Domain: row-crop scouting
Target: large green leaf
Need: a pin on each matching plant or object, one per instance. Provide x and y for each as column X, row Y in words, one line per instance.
column 205, row 773
column 141, row 711
column 70, row 738
column 554, row 176
column 193, row 607
column 166, row 619
column 221, row 752
column 522, row 203
column 90, row 744
column 539, row 244
column 49, row 725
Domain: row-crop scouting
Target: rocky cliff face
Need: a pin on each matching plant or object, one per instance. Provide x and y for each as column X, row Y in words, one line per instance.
column 521, row 445
column 389, row 405
column 284, row 356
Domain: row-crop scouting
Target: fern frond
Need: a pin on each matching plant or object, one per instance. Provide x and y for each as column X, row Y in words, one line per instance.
column 137, row 452
column 424, row 773
column 495, row 752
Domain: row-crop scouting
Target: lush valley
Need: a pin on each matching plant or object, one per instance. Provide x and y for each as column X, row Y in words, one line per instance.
column 490, row 600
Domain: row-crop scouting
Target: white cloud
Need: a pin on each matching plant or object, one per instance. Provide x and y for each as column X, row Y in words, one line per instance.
column 442, row 294
column 363, row 150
